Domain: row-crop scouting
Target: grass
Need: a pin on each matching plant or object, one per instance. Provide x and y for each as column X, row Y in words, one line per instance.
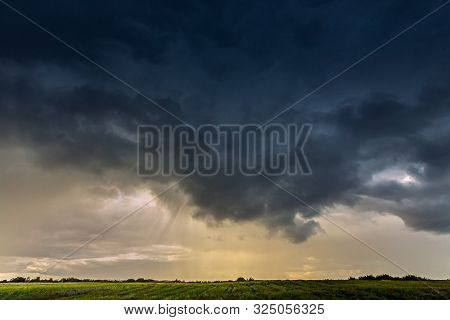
column 323, row 289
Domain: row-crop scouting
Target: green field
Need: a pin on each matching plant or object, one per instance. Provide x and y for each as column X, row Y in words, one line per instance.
column 324, row 289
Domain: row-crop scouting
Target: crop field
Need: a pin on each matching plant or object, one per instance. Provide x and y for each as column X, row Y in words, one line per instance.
column 321, row 289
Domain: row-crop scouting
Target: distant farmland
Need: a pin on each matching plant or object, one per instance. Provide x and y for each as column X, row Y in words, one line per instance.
column 321, row 289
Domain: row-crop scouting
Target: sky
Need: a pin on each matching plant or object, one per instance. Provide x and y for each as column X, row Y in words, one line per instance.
column 378, row 149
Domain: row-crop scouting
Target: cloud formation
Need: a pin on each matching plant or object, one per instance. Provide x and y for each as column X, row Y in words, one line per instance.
column 379, row 137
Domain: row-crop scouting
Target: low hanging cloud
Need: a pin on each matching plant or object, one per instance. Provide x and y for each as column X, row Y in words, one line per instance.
column 210, row 65
column 349, row 147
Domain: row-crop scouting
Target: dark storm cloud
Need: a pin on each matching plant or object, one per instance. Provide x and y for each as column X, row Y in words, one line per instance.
column 225, row 61
column 81, row 127
column 411, row 138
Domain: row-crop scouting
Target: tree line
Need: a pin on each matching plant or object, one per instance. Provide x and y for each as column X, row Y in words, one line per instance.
column 408, row 277
column 239, row 279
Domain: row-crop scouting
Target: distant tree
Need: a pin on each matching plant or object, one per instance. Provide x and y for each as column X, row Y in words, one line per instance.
column 367, row 277
column 18, row 279
column 411, row 277
column 240, row 279
column 71, row 279
column 408, row 277
column 384, row 277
